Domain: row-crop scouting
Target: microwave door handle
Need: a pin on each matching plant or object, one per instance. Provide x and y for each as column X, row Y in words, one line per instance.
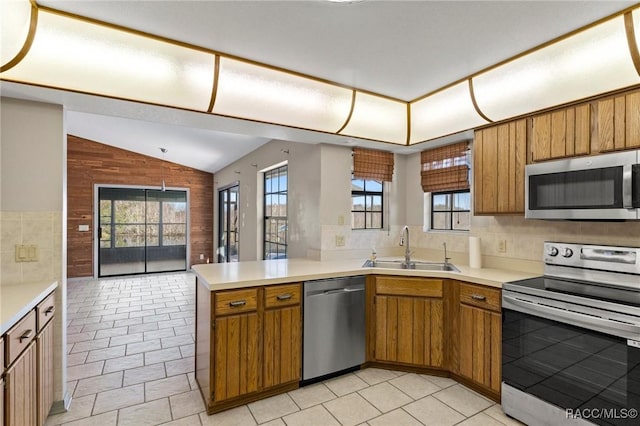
column 603, row 325
column 627, row 184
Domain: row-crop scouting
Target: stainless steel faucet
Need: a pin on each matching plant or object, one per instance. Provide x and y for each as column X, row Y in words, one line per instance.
column 446, row 259
column 404, row 241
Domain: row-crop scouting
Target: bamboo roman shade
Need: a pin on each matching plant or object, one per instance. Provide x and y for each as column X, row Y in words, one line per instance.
column 445, row 168
column 372, row 164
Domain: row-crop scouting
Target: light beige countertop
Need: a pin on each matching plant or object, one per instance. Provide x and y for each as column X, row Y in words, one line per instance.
column 225, row 276
column 16, row 300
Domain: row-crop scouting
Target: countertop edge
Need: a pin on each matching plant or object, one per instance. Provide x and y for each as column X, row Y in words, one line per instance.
column 47, row 288
column 475, row 276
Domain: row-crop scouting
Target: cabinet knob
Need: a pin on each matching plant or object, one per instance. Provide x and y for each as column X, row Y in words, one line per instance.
column 285, row 296
column 237, row 303
column 478, row 297
column 26, row 335
column 49, row 310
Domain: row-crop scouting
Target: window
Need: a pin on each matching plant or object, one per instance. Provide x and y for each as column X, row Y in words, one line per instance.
column 445, row 181
column 275, row 213
column 366, row 204
column 450, row 210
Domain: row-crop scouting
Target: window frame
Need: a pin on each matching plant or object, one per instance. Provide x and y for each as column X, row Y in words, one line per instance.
column 429, row 196
column 265, row 242
column 365, row 193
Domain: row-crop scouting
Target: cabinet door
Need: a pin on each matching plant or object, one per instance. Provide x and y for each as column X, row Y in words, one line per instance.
column 44, row 343
column 409, row 330
column 618, row 121
column 499, row 160
column 237, row 342
column 562, row 133
column 479, row 346
column 21, row 391
column 282, row 345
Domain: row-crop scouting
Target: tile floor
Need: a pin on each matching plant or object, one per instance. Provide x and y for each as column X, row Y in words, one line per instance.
column 131, row 361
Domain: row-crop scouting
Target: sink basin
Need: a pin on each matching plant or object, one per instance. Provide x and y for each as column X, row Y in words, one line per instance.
column 422, row 266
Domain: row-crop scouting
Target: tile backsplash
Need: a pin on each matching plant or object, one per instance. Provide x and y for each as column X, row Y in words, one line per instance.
column 43, row 229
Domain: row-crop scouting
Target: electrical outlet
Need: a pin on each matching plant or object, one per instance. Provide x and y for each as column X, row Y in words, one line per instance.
column 502, row 246
column 339, row 240
column 340, row 220
column 201, row 256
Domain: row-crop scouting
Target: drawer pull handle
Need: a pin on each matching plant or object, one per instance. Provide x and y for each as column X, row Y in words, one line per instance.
column 49, row 310
column 26, row 335
column 285, row 296
column 237, row 303
column 478, row 297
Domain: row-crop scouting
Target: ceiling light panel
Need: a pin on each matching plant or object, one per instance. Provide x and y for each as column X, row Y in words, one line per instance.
column 378, row 118
column 255, row 92
column 594, row 61
column 442, row 113
column 15, row 19
column 82, row 56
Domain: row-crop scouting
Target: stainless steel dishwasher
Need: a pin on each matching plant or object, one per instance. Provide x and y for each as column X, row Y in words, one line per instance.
column 334, row 326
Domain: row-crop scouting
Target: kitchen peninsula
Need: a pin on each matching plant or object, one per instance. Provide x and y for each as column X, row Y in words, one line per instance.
column 249, row 322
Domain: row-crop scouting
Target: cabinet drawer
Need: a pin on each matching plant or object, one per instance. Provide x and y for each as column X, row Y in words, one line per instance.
column 281, row 295
column 480, row 296
column 46, row 309
column 236, row 301
column 20, row 335
column 409, row 286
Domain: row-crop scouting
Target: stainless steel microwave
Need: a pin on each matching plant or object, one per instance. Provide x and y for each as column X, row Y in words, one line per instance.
column 599, row 187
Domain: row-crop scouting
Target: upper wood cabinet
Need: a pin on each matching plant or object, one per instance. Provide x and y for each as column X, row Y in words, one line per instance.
column 562, row 133
column 499, row 158
column 618, row 122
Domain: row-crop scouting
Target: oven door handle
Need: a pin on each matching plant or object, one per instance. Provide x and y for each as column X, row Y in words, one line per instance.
column 603, row 325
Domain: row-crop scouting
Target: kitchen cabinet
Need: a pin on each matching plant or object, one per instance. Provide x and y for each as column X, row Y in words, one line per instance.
column 618, row 122
column 248, row 343
column 409, row 321
column 476, row 336
column 26, row 394
column 499, row 158
column 282, row 334
column 562, row 133
column 45, row 311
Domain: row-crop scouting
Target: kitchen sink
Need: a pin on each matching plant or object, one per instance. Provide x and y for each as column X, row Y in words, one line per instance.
column 422, row 266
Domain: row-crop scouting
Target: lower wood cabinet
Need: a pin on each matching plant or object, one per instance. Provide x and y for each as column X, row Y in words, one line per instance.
column 476, row 336
column 409, row 321
column 26, row 389
column 248, row 343
column 21, row 391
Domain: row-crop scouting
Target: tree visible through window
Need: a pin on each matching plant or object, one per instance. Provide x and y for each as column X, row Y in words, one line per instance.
column 451, row 210
column 275, row 213
column 366, row 204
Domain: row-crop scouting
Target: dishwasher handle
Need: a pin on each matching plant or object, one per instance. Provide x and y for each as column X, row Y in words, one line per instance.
column 343, row 290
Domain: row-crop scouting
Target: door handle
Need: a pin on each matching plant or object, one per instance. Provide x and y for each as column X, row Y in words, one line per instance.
column 478, row 297
column 285, row 296
column 26, row 335
column 237, row 303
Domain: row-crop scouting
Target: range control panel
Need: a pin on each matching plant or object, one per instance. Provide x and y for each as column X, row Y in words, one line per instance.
column 586, row 256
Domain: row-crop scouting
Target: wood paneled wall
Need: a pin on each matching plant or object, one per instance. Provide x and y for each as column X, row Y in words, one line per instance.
column 90, row 163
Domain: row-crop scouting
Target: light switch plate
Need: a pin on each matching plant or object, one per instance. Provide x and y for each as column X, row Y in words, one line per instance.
column 83, row 228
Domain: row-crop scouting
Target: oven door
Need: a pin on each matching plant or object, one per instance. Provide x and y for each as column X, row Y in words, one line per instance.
column 597, row 187
column 586, row 373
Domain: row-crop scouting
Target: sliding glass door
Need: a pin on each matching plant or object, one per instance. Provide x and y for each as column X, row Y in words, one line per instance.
column 141, row 231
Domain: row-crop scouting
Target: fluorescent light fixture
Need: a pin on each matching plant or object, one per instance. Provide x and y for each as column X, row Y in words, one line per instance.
column 247, row 90
column 76, row 55
column 588, row 63
column 378, row 118
column 445, row 112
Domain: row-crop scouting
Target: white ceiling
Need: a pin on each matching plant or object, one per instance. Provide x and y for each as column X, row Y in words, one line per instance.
column 402, row 49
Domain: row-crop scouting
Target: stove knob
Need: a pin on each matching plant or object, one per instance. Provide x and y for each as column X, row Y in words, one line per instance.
column 552, row 251
column 567, row 252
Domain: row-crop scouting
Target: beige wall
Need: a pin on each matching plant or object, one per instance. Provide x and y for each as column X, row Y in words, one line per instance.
column 33, row 206
column 303, row 190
